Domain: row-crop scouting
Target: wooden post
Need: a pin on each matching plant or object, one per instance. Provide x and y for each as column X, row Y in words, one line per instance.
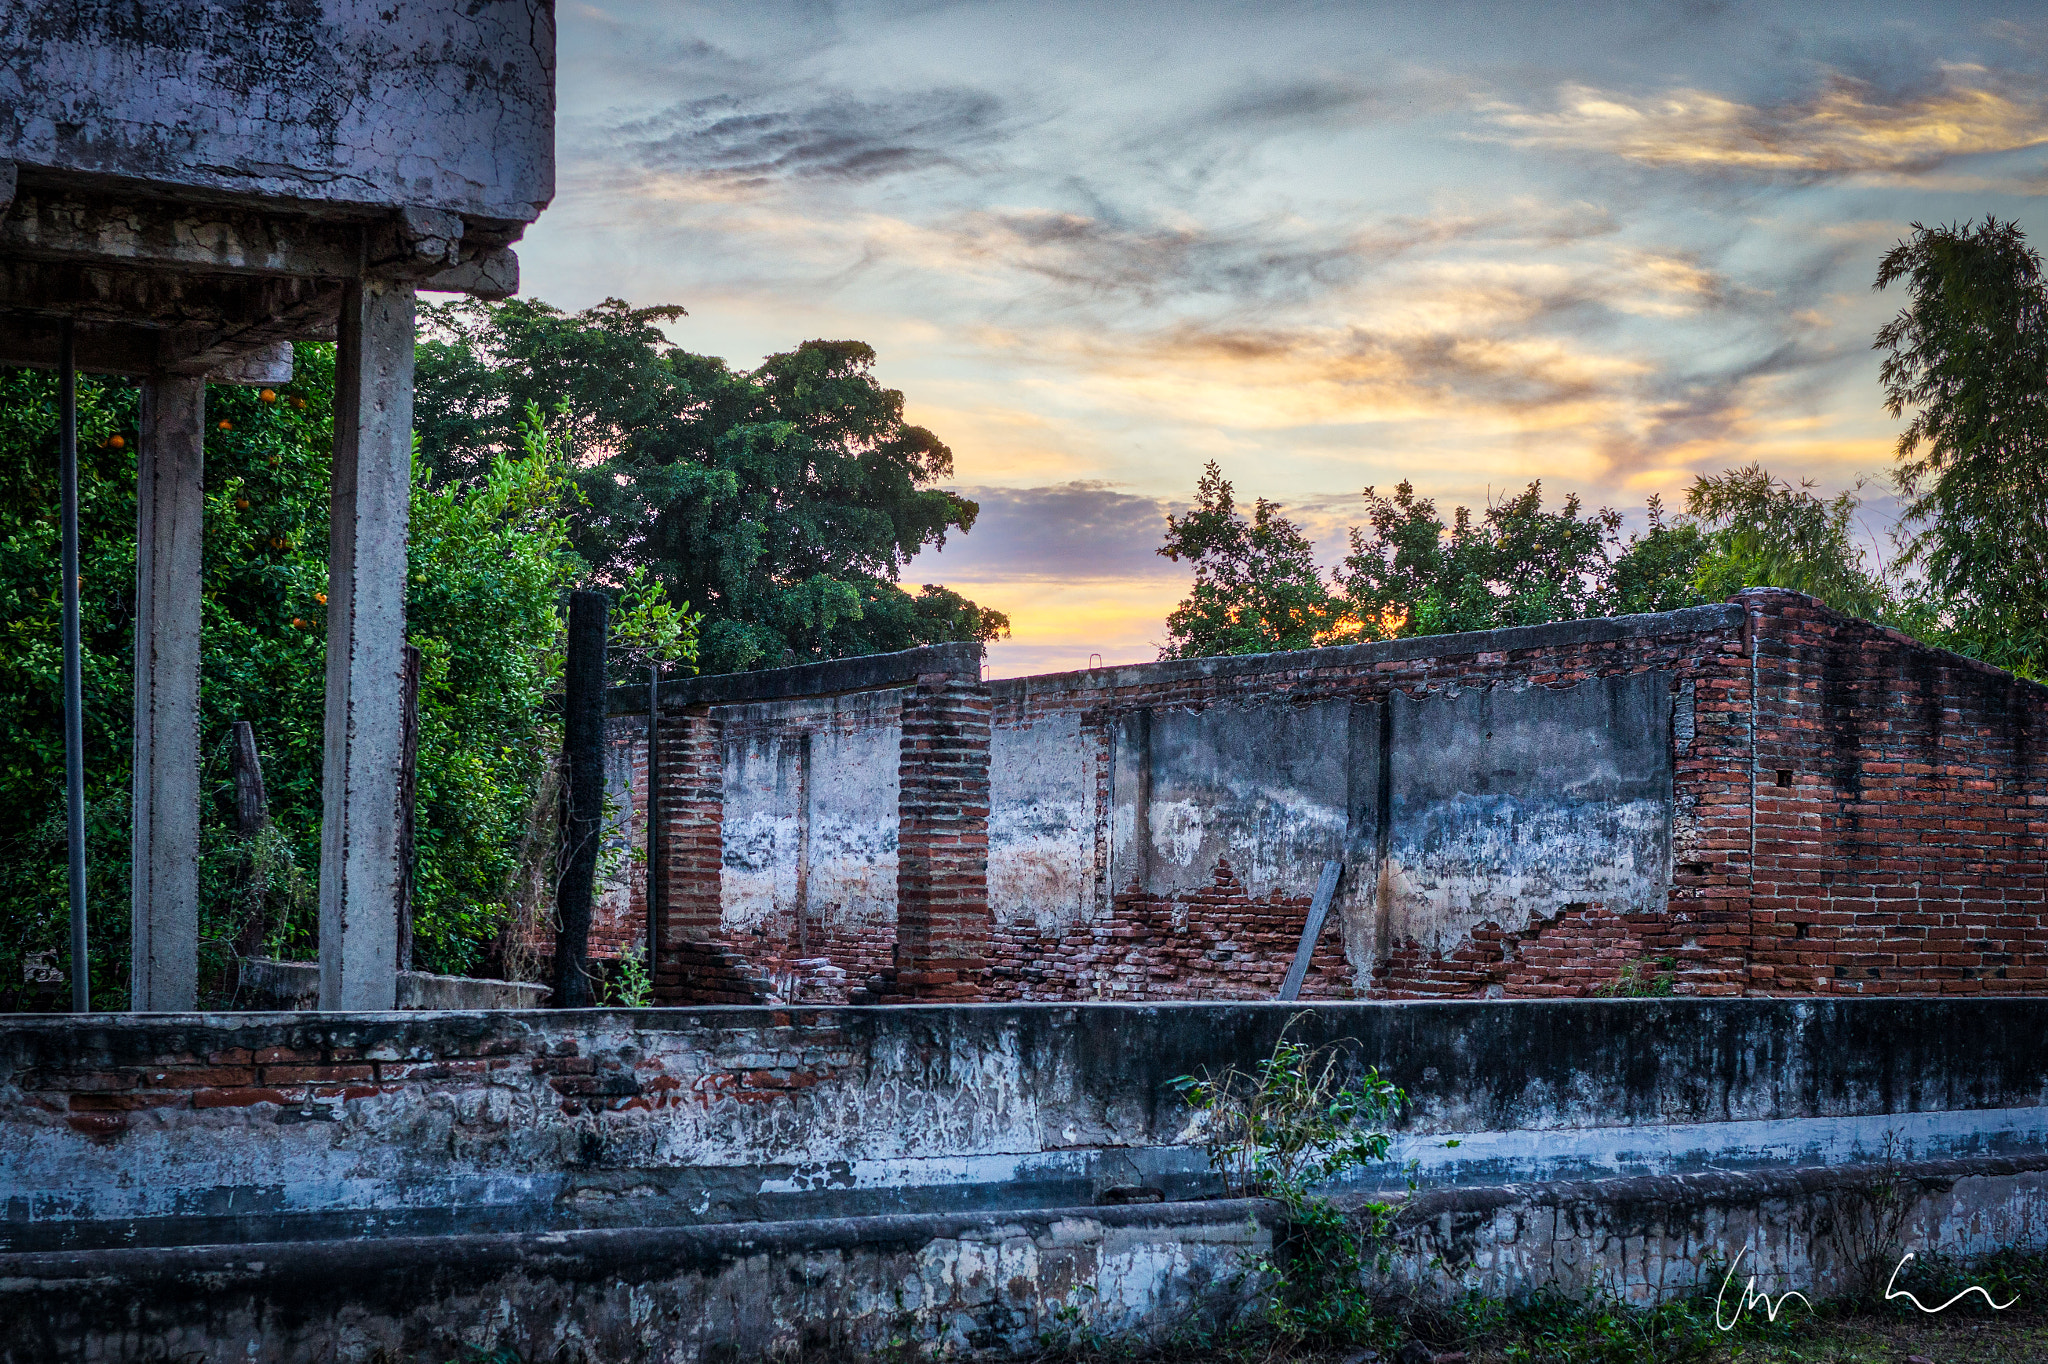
column 252, row 812
column 583, row 797
column 252, row 806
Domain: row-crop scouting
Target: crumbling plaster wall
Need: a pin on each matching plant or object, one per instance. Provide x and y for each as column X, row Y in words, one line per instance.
column 810, row 829
column 704, row 1184
column 338, row 104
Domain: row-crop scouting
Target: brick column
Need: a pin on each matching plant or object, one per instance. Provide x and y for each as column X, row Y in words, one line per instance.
column 693, row 965
column 942, row 918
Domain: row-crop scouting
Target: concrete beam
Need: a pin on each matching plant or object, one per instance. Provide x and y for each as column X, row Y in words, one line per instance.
column 66, row 223
column 359, row 839
column 165, row 870
column 139, row 351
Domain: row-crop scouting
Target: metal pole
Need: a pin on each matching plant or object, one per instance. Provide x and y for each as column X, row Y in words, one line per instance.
column 654, row 867
column 74, row 690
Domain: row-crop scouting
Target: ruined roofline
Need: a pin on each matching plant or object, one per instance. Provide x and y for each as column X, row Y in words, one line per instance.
column 878, row 671
column 833, row 677
column 1592, row 630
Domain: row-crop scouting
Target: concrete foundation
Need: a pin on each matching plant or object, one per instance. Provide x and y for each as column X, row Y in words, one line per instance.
column 729, row 1183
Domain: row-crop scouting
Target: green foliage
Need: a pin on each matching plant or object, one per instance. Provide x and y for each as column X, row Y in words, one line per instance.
column 1294, row 1122
column 1516, row 565
column 1257, row 589
column 1763, row 532
column 1642, row 980
column 1968, row 356
column 782, row 503
column 633, row 986
column 488, row 563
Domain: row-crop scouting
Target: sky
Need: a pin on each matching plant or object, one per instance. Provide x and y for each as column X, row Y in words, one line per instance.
column 1098, row 245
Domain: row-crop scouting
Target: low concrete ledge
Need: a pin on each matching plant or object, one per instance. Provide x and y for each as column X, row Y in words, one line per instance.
column 290, row 986
column 849, row 1287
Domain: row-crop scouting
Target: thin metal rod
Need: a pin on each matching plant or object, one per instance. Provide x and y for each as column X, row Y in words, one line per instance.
column 74, row 689
column 655, row 874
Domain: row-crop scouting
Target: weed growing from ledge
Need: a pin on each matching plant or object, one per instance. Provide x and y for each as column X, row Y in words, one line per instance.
column 1292, row 1123
column 1642, row 980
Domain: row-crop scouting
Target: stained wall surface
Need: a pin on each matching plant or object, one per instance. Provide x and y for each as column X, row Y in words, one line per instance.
column 1761, row 796
column 714, row 1183
column 340, row 103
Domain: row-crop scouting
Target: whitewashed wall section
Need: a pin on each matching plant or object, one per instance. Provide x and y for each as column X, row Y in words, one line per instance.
column 814, row 828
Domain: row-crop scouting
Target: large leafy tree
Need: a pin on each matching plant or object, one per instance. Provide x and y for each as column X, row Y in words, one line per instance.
column 782, row 503
column 1764, row 532
column 1257, row 589
column 1257, row 586
column 1968, row 358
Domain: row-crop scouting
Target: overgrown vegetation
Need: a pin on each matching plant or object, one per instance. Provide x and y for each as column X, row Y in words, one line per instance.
column 487, row 566
column 1300, row 1118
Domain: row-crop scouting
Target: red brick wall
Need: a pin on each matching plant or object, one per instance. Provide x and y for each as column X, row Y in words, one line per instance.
column 1176, row 947
column 1906, row 855
column 1901, row 814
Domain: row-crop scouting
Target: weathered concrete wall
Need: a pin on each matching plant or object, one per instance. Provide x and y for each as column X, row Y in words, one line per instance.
column 810, row 832
column 337, row 103
column 1509, row 805
column 178, row 1130
column 691, row 1183
column 1045, row 827
column 1563, row 809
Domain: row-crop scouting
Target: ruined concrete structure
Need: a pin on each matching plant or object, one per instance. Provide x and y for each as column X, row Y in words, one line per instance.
column 188, row 186
column 743, row 1184
column 1763, row 797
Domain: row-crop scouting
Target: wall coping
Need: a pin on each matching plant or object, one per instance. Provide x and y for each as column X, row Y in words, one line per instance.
column 1514, row 639
column 833, row 677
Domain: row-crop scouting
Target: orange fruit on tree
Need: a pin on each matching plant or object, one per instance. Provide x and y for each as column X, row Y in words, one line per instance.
column 226, row 425
column 242, row 504
column 268, row 395
column 320, row 597
column 117, row 442
column 297, row 621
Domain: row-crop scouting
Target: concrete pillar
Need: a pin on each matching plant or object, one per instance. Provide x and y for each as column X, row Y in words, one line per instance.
column 942, row 920
column 164, row 943
column 359, row 841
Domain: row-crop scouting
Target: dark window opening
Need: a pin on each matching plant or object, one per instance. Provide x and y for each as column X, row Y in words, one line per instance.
column 1784, row 776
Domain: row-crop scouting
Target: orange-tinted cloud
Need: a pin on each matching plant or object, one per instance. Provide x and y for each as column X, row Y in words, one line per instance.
column 1848, row 127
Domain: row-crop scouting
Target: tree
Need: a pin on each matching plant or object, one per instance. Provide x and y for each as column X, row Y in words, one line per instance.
column 1516, row 565
column 1257, row 588
column 1968, row 356
column 1763, row 532
column 781, row 503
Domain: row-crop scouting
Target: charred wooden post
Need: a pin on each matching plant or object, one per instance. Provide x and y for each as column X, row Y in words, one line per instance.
column 583, row 815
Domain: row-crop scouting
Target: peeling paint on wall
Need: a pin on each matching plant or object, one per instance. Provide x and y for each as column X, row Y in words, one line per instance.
column 1272, row 788
column 816, row 832
column 1041, row 826
column 1509, row 805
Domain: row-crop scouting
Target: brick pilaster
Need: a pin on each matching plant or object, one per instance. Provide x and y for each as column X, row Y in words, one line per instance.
column 942, row 915
column 694, row 966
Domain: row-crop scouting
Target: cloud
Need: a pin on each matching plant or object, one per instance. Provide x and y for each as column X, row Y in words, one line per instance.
column 1044, row 534
column 1848, row 127
column 757, row 140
